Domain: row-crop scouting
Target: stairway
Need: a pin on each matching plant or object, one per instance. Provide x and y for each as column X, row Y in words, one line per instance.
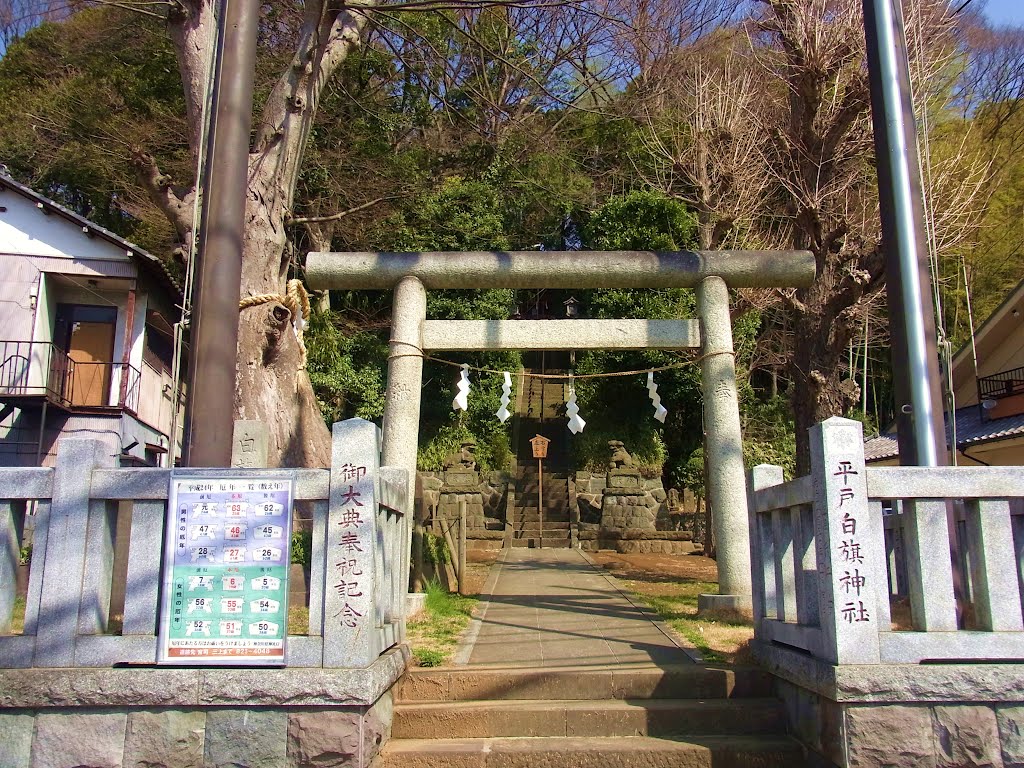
column 540, row 413
column 589, row 717
column 528, row 527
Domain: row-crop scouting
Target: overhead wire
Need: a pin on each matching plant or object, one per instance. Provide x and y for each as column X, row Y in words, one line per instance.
column 186, row 304
column 963, row 5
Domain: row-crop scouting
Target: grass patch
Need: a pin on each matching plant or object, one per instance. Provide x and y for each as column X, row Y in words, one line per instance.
column 18, row 617
column 298, row 619
column 434, row 634
column 720, row 639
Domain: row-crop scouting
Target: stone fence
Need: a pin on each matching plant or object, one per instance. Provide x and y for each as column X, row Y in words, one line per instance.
column 78, row 687
column 856, row 611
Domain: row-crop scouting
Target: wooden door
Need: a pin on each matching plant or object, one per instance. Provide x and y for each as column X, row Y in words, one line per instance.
column 89, row 343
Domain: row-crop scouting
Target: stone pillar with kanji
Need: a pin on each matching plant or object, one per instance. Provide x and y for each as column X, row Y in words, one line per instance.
column 849, row 546
column 352, row 619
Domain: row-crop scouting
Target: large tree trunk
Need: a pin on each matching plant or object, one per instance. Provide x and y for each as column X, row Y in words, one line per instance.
column 819, row 393
column 272, row 386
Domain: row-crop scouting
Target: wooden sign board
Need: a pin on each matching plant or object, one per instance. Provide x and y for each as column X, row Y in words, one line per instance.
column 540, row 446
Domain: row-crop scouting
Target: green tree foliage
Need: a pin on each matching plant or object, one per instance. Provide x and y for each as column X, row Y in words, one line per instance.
column 618, row 408
column 77, row 101
column 345, row 369
column 451, row 130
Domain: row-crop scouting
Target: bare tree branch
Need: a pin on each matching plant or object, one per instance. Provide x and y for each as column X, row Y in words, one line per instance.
column 339, row 215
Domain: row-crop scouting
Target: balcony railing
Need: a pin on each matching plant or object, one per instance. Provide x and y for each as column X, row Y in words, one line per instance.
column 42, row 369
column 1002, row 384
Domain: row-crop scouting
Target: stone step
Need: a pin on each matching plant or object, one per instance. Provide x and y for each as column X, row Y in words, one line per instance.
column 534, row 529
column 534, row 542
column 531, row 503
column 550, row 542
column 679, row 681
column 528, row 472
column 550, row 522
column 533, row 525
column 531, row 515
column 594, row 752
column 662, row 718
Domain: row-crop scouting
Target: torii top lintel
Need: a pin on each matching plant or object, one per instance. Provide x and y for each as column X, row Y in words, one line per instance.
column 560, row 269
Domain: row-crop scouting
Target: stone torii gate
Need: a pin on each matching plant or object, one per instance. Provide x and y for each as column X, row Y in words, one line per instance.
column 710, row 273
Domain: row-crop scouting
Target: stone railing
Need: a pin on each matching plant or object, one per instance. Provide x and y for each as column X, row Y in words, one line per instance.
column 853, row 565
column 356, row 603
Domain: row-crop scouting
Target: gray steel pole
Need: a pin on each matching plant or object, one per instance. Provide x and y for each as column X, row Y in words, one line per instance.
column 209, row 413
column 911, row 309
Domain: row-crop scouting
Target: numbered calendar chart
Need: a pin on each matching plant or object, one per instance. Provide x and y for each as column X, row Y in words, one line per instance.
column 226, row 562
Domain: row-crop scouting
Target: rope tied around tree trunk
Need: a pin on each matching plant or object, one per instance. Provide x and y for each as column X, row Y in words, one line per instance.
column 296, row 301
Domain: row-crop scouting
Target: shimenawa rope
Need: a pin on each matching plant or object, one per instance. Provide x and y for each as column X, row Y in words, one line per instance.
column 557, row 376
column 295, row 300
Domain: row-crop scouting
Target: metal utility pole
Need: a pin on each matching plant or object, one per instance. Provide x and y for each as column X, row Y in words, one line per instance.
column 922, row 434
column 209, row 418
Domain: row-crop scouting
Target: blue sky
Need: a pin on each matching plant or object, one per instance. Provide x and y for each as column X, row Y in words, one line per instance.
column 1004, row 11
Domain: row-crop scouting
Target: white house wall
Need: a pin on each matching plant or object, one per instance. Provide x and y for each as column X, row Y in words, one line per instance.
column 20, row 282
column 25, row 229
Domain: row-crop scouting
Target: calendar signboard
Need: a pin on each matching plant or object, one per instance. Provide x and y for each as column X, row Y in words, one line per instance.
column 225, row 571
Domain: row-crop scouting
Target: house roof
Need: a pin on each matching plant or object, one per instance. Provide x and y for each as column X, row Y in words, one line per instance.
column 145, row 260
column 971, row 429
column 988, row 336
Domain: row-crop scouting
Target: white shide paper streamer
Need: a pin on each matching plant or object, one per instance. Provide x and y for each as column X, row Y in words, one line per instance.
column 576, row 424
column 660, row 412
column 506, row 396
column 461, row 401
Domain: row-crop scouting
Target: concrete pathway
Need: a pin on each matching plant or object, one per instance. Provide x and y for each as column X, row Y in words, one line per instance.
column 553, row 608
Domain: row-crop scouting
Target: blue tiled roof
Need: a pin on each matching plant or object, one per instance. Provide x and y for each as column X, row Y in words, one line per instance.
column 971, row 429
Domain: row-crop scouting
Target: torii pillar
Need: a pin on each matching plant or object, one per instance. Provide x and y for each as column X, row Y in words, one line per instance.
column 723, row 451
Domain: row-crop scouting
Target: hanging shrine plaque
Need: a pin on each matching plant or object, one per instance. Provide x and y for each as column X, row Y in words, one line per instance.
column 225, row 574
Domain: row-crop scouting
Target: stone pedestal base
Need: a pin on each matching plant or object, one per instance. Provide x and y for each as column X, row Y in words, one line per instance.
column 414, row 603
column 188, row 717
column 899, row 714
column 740, row 604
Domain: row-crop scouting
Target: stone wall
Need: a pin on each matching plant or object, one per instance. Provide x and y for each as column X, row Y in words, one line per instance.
column 622, row 500
column 120, row 737
column 593, row 538
column 193, row 718
column 485, row 498
column 870, row 716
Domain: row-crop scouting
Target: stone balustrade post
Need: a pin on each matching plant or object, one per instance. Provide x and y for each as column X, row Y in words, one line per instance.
column 352, row 616
column 762, row 546
column 66, row 604
column 12, row 521
column 850, row 546
column 394, row 484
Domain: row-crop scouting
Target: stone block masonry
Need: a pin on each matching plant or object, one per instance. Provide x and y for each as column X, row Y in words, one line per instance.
column 214, row 718
column 194, row 738
column 940, row 718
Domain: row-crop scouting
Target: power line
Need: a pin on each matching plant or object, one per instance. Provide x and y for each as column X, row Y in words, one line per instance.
column 962, row 6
